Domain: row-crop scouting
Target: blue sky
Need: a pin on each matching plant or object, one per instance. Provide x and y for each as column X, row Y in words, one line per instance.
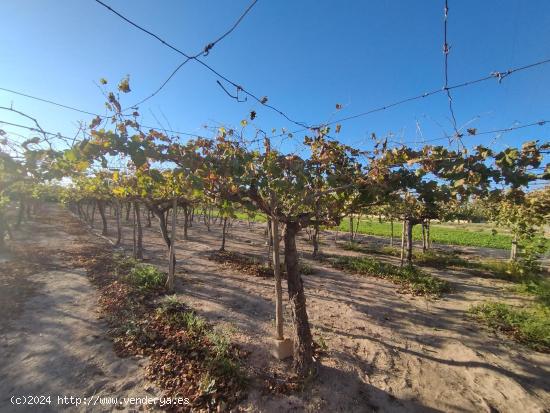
column 305, row 56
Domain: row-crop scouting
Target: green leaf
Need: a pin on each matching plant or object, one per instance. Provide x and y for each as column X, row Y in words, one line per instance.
column 70, row 155
column 124, row 85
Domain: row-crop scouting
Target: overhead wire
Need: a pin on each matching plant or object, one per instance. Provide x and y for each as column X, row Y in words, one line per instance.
column 446, row 50
column 500, row 75
column 204, row 52
column 238, row 87
column 49, row 101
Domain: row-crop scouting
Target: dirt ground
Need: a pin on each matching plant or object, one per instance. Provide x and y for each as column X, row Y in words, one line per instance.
column 386, row 351
column 52, row 341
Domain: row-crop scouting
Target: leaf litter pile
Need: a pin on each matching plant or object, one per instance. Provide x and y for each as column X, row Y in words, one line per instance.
column 250, row 266
column 188, row 357
column 241, row 263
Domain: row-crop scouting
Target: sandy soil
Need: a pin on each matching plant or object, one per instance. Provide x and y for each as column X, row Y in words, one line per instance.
column 386, row 351
column 52, row 342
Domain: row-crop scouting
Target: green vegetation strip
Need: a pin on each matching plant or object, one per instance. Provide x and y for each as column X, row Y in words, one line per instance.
column 529, row 325
column 253, row 217
column 504, row 270
column 438, row 234
column 411, row 278
column 537, row 287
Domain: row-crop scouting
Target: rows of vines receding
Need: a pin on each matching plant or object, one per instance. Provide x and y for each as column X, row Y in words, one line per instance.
column 159, row 175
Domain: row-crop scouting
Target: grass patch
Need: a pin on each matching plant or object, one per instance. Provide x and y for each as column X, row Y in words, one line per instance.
column 411, row 278
column 529, row 325
column 258, row 217
column 504, row 270
column 146, row 277
column 305, row 268
column 219, row 353
column 188, row 357
column 430, row 258
column 439, row 234
column 538, row 287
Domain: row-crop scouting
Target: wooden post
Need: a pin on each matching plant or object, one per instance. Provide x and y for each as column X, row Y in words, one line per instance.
column 224, row 229
column 424, row 241
column 138, row 232
column 274, row 241
column 391, row 233
column 409, row 241
column 403, row 241
column 185, row 221
column 277, row 276
column 172, row 255
column 134, row 235
column 315, row 239
column 118, row 212
column 283, row 348
column 514, row 250
column 428, row 239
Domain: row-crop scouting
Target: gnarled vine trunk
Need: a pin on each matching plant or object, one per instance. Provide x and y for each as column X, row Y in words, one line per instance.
column 20, row 213
column 424, row 239
column 138, row 233
column 185, row 221
column 118, row 213
column 403, row 230
column 224, row 229
column 269, row 241
column 428, row 238
column 409, row 241
column 163, row 225
column 101, row 208
column 303, row 342
column 128, row 207
column 315, row 240
column 3, row 231
column 170, row 280
column 148, row 216
column 206, row 217
column 514, row 249
column 92, row 218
